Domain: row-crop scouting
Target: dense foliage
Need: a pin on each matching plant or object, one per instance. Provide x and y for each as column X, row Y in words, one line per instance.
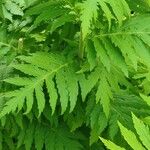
column 74, row 74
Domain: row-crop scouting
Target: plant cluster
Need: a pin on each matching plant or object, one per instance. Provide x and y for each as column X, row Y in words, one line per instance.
column 74, row 74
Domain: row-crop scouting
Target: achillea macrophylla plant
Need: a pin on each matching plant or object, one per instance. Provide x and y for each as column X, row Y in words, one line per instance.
column 74, row 74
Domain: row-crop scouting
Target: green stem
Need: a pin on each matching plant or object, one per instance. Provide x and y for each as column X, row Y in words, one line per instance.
column 81, row 46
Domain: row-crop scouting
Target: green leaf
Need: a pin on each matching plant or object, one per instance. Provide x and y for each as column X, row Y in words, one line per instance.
column 102, row 53
column 120, row 9
column 40, row 97
column 6, row 13
column 72, row 86
column 19, row 81
column 146, row 99
column 52, row 93
column 104, row 94
column 128, row 135
column 88, row 84
column 61, row 21
column 142, row 130
column 110, row 145
column 13, row 8
column 61, row 139
column 98, row 127
column 1, row 10
column 41, row 73
column 107, row 11
column 89, row 12
column 62, row 89
column 29, row 137
column 39, row 137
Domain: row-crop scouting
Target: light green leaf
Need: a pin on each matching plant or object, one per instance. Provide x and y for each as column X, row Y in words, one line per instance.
column 40, row 97
column 13, row 8
column 128, row 135
column 146, row 98
column 89, row 12
column 142, row 130
column 110, row 145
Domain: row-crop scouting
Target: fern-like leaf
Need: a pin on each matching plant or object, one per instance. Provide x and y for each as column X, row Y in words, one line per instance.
column 50, row 138
column 130, row 137
column 54, row 67
column 130, row 39
column 61, row 139
column 51, row 11
column 90, row 8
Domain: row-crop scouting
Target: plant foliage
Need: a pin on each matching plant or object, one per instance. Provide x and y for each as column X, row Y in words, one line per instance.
column 142, row 131
column 72, row 71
